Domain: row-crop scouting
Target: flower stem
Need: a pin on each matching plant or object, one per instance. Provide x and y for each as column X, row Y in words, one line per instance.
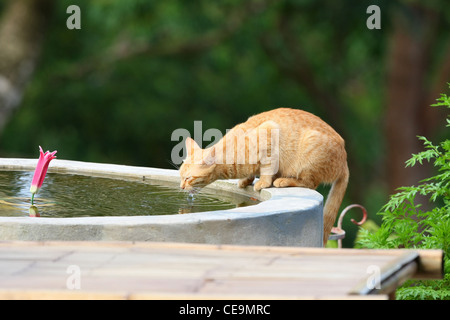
column 32, row 198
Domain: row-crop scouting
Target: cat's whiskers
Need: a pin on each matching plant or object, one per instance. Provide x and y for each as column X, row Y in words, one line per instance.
column 193, row 191
column 196, row 190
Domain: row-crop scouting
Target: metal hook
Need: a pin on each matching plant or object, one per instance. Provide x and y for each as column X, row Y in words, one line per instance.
column 343, row 213
column 337, row 232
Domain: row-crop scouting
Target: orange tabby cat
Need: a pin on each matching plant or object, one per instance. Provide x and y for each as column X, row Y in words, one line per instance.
column 284, row 147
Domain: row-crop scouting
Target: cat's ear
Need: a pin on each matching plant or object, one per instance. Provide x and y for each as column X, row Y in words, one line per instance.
column 210, row 157
column 191, row 145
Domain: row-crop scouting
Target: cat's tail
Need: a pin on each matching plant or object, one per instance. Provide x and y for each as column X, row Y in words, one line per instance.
column 333, row 203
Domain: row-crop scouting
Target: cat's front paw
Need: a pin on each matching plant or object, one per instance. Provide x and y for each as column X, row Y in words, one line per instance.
column 262, row 184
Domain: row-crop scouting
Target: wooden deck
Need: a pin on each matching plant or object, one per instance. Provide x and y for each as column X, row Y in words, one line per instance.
column 105, row 270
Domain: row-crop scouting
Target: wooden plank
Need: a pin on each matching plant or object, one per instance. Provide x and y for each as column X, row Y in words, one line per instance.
column 128, row 270
column 395, row 272
column 431, row 264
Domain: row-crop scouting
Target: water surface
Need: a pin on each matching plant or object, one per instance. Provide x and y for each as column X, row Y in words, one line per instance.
column 66, row 195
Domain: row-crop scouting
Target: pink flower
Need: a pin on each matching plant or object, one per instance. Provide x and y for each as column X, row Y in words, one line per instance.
column 41, row 170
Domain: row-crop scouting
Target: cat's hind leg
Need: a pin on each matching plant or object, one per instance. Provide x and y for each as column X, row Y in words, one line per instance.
column 287, row 182
column 245, row 182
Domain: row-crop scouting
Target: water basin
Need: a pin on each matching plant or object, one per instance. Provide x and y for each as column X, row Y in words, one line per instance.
column 283, row 217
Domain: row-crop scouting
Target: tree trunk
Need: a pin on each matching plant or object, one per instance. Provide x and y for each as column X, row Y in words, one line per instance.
column 22, row 28
column 408, row 102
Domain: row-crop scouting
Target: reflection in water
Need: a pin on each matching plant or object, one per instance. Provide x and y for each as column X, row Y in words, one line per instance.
column 76, row 196
column 184, row 210
column 189, row 205
column 34, row 212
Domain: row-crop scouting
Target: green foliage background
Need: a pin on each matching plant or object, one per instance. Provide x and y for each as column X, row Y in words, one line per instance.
column 125, row 112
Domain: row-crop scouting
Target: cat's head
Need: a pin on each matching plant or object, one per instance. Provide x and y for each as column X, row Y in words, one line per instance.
column 197, row 169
